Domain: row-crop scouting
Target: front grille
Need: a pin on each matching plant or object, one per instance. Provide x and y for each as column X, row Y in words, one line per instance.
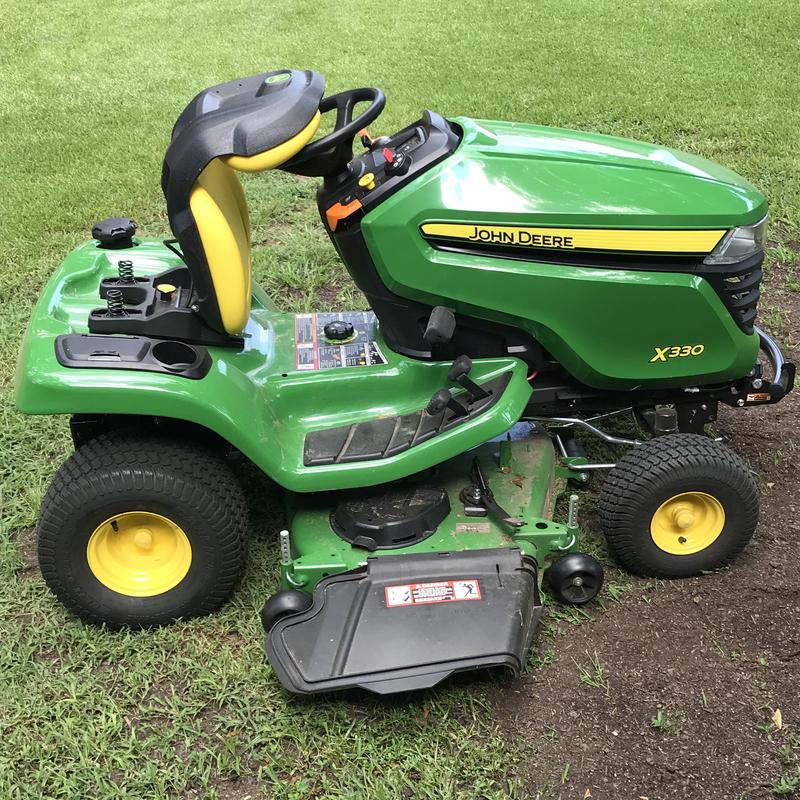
column 739, row 289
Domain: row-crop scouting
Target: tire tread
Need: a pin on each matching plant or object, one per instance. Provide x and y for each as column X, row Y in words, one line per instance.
column 640, row 472
column 187, row 472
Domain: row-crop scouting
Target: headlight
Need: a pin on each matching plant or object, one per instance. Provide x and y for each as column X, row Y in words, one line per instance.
column 738, row 244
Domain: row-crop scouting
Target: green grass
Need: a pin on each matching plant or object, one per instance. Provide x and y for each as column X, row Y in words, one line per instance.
column 88, row 95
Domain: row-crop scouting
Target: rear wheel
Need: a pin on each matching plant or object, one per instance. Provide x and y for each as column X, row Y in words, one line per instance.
column 678, row 505
column 139, row 531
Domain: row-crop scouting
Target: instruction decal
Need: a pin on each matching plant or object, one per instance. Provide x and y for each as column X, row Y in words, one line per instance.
column 312, row 350
column 415, row 594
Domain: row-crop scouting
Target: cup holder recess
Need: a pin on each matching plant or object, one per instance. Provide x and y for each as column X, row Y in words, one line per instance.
column 138, row 353
column 175, row 355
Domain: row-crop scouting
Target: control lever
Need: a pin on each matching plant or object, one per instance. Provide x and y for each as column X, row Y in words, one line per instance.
column 441, row 326
column 370, row 143
column 459, row 373
column 479, row 495
column 443, row 399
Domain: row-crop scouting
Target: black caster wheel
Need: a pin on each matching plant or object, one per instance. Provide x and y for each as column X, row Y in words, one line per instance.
column 288, row 601
column 575, row 579
column 678, row 505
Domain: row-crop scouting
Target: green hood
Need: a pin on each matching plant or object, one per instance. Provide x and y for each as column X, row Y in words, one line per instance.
column 556, row 176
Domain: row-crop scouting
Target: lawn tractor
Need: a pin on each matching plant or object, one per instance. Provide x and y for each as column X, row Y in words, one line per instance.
column 527, row 286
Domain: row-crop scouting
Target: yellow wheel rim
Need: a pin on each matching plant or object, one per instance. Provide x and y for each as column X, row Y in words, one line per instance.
column 139, row 554
column 687, row 523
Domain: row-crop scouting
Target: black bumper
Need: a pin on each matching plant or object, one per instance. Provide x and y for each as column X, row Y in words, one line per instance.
column 783, row 373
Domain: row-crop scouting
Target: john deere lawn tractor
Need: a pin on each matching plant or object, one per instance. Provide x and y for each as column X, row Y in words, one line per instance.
column 526, row 285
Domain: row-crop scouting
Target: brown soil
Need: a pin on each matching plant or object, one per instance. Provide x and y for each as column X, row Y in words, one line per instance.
column 716, row 655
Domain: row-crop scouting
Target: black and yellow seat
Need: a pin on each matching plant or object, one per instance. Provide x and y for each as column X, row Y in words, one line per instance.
column 248, row 125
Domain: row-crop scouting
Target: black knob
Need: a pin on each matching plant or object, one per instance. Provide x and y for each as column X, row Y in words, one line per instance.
column 114, row 232
column 338, row 330
column 461, row 366
column 438, row 402
column 399, row 165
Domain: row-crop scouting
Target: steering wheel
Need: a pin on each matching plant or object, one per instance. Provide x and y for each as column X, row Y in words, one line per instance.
column 328, row 155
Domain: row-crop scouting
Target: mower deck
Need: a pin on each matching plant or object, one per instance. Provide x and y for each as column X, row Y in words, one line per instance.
column 401, row 620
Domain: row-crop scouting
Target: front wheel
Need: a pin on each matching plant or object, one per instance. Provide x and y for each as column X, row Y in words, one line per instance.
column 139, row 531
column 678, row 505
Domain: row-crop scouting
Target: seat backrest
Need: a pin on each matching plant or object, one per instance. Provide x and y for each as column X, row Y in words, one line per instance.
column 249, row 125
column 220, row 212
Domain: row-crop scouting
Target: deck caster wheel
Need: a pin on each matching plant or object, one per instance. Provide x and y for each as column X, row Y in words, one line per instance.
column 575, row 579
column 677, row 506
column 137, row 531
column 288, row 601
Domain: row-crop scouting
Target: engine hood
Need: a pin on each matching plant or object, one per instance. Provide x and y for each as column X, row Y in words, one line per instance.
column 515, row 173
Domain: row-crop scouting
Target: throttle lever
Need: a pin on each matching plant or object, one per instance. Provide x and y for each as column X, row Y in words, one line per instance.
column 459, row 373
column 443, row 399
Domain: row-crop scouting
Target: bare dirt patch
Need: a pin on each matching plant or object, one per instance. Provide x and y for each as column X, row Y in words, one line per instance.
column 672, row 692
column 25, row 539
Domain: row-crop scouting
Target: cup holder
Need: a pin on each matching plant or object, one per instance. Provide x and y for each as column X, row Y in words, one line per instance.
column 98, row 351
column 174, row 355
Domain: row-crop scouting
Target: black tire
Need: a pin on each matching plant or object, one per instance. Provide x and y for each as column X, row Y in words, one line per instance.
column 574, row 579
column 281, row 604
column 123, row 472
column 667, row 467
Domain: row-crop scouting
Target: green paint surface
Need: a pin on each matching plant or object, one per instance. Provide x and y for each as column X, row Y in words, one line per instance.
column 603, row 325
column 254, row 398
column 521, row 474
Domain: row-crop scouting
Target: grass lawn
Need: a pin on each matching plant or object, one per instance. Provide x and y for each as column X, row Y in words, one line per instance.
column 88, row 95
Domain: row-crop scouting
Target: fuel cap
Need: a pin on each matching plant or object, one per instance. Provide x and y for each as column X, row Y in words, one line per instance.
column 338, row 330
column 114, row 233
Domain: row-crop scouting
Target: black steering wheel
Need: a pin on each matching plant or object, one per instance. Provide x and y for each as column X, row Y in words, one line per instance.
column 329, row 154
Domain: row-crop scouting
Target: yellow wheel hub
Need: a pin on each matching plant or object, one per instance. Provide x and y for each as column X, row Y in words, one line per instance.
column 139, row 554
column 687, row 523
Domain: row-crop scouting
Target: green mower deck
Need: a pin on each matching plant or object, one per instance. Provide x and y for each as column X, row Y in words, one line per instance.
column 463, row 595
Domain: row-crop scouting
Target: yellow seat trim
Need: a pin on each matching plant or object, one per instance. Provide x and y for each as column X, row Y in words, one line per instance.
column 275, row 156
column 220, row 211
column 219, row 208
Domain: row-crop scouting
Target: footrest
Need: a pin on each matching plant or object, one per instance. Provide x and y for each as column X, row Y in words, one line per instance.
column 388, row 436
column 403, row 623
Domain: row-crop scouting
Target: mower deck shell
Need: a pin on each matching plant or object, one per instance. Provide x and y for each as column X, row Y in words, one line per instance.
column 523, row 472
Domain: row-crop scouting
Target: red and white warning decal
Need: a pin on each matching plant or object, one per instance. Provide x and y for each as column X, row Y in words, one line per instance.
column 413, row 594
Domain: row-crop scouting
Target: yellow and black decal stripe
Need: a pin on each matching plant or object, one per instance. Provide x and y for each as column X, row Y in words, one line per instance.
column 683, row 242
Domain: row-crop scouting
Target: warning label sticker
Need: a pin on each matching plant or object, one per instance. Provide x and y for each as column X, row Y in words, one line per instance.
column 312, row 350
column 413, row 594
column 473, row 527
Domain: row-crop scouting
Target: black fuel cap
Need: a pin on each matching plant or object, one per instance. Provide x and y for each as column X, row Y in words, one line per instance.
column 338, row 330
column 114, row 232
